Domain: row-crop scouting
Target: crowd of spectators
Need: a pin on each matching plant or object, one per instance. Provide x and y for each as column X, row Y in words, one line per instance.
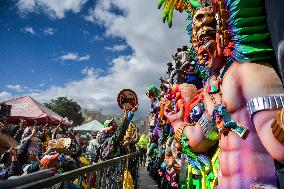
column 62, row 149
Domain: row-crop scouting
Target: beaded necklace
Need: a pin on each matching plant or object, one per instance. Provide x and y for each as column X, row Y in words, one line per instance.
column 212, row 88
column 216, row 88
column 221, row 117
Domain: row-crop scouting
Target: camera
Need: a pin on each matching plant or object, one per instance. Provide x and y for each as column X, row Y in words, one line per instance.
column 5, row 110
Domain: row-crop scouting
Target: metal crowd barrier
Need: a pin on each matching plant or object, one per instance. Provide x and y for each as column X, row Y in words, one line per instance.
column 104, row 175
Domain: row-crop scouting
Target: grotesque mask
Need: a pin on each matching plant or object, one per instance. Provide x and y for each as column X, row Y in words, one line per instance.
column 204, row 27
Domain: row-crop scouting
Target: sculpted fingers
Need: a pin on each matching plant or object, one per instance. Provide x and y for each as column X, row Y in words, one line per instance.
column 181, row 111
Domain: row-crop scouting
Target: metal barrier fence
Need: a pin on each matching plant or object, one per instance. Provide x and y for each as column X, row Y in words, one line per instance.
column 104, row 175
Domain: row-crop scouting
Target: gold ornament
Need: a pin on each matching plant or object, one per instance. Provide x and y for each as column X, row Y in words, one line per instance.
column 278, row 127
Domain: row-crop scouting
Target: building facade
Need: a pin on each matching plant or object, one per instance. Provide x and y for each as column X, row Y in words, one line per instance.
column 93, row 114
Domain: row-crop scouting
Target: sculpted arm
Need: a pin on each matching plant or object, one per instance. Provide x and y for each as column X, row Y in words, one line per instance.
column 195, row 134
column 268, row 84
column 197, row 140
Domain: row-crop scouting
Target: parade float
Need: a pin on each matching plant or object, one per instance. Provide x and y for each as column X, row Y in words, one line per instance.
column 217, row 119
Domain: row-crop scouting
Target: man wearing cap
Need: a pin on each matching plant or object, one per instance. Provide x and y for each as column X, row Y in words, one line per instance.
column 110, row 127
column 112, row 134
column 109, row 140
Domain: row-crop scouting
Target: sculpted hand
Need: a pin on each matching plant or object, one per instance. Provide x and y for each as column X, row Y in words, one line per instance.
column 174, row 118
column 135, row 108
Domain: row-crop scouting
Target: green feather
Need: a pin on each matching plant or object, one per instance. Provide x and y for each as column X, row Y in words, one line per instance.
column 249, row 30
column 240, row 4
column 251, row 21
column 253, row 48
column 247, row 12
column 160, row 3
column 170, row 18
column 251, row 38
column 195, row 3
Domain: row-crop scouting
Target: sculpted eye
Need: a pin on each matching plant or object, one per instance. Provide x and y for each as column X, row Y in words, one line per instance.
column 205, row 39
column 199, row 17
column 205, row 57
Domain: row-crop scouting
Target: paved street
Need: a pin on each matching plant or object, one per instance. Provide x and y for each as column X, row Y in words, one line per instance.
column 145, row 181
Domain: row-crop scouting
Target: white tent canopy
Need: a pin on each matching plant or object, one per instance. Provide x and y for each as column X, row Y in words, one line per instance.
column 91, row 126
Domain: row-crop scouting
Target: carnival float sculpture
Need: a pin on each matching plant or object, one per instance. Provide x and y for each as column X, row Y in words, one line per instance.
column 233, row 130
column 201, row 171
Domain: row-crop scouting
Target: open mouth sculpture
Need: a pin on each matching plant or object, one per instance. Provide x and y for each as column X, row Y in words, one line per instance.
column 206, row 52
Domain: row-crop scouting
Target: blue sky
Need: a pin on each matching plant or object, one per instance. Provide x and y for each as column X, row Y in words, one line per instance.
column 38, row 51
column 84, row 49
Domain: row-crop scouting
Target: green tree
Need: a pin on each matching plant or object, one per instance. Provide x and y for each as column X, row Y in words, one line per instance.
column 66, row 108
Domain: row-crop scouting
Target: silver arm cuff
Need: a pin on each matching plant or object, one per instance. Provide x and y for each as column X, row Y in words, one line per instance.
column 265, row 103
column 206, row 125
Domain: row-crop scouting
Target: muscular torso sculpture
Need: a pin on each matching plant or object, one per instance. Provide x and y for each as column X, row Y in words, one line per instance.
column 246, row 161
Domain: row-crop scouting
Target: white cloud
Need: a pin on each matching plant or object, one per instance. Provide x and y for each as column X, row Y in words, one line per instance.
column 49, row 31
column 69, row 56
column 152, row 43
column 117, row 48
column 90, row 37
column 53, row 8
column 95, row 38
column 5, row 96
column 98, row 38
column 29, row 30
column 73, row 57
column 86, row 34
column 83, row 58
column 45, row 31
column 17, row 88
column 91, row 15
column 90, row 71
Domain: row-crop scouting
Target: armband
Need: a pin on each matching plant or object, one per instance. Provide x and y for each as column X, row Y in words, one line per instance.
column 264, row 103
column 178, row 133
column 209, row 130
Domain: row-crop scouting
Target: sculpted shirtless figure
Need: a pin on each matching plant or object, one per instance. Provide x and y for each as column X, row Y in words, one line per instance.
column 244, row 161
column 247, row 159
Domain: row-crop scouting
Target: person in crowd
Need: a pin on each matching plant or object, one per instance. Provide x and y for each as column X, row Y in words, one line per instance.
column 19, row 130
column 112, row 134
column 37, row 151
column 131, row 138
column 93, row 149
column 142, row 144
column 58, row 131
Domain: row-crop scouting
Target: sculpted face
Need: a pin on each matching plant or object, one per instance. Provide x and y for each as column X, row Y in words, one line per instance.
column 150, row 95
column 209, row 56
column 206, row 54
column 203, row 27
column 204, row 38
